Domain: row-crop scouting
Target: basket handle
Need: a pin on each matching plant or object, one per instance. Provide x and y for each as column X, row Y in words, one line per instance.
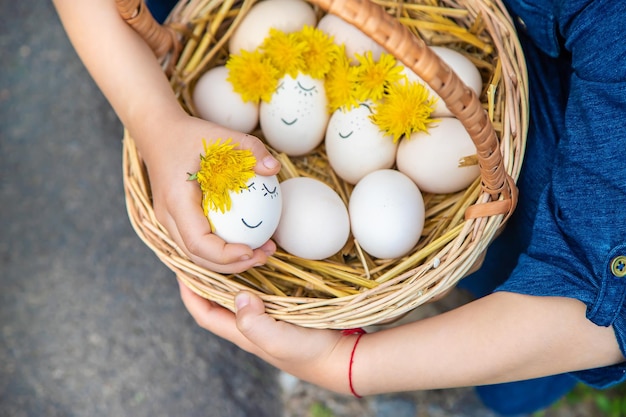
column 161, row 39
column 413, row 52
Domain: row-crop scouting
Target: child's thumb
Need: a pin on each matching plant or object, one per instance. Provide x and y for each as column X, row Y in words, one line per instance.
column 251, row 318
column 266, row 163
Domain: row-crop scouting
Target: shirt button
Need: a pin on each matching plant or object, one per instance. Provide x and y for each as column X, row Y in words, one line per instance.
column 618, row 266
column 521, row 23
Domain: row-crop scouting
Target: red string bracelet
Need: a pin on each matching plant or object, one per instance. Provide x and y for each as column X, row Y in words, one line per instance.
column 360, row 332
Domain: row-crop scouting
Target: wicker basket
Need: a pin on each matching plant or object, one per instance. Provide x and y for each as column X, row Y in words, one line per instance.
column 352, row 289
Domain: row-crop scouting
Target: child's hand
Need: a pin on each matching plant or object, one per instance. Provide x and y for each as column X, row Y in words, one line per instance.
column 172, row 153
column 317, row 356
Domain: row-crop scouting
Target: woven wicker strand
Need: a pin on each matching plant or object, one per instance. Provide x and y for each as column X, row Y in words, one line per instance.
column 351, row 289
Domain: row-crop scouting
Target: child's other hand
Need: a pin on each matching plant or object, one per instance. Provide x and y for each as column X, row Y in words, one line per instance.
column 317, row 356
column 171, row 152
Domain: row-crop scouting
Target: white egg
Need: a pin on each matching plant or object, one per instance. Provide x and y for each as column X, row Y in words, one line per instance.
column 254, row 214
column 294, row 120
column 285, row 15
column 314, row 223
column 355, row 41
column 432, row 159
column 215, row 100
column 355, row 146
column 461, row 65
column 386, row 214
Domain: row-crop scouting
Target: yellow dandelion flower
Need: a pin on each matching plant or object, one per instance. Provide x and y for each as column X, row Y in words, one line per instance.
column 320, row 51
column 223, row 169
column 252, row 75
column 285, row 51
column 405, row 109
column 375, row 76
column 340, row 84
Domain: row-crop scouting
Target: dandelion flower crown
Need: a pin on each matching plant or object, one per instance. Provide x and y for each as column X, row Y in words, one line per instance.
column 400, row 107
column 255, row 75
column 223, row 169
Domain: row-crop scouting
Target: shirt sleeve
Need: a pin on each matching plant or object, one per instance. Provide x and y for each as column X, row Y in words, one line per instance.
column 578, row 243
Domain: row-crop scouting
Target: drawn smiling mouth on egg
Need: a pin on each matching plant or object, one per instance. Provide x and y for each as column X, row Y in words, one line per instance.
column 251, row 226
column 289, row 123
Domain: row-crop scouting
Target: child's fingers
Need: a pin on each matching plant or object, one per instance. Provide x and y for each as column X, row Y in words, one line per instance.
column 207, row 314
column 278, row 339
column 204, row 247
column 266, row 163
column 216, row 319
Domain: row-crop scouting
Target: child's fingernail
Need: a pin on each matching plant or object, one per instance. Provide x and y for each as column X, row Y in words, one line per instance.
column 241, row 300
column 269, row 162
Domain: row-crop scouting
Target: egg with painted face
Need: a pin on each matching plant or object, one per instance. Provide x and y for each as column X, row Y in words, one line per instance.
column 355, row 145
column 294, row 120
column 254, row 214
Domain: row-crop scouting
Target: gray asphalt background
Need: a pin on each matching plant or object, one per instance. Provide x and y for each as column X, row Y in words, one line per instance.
column 91, row 323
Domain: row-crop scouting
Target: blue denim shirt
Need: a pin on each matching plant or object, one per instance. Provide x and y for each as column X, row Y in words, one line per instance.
column 568, row 235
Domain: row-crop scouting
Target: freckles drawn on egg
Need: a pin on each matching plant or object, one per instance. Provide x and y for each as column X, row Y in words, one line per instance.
column 265, row 192
column 284, row 108
column 355, row 118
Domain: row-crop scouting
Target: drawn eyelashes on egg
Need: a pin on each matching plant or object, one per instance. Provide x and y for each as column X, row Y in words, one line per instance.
column 271, row 193
column 300, row 88
column 304, row 90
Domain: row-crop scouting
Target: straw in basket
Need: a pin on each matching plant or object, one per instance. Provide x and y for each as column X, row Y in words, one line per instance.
column 352, row 289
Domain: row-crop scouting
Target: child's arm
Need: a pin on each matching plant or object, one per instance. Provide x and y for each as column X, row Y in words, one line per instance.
column 169, row 140
column 502, row 337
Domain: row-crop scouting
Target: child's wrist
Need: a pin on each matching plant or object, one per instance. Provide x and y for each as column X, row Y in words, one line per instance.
column 358, row 334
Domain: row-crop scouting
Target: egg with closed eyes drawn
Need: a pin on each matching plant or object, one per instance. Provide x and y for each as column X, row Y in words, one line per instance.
column 355, row 145
column 294, row 120
column 254, row 213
